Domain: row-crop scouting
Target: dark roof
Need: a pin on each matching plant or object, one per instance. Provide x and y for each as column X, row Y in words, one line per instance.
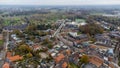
column 102, row 37
column 21, row 27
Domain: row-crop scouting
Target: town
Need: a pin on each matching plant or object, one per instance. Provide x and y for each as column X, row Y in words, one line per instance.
column 75, row 42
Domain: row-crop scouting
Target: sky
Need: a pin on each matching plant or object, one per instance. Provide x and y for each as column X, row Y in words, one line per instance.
column 59, row 2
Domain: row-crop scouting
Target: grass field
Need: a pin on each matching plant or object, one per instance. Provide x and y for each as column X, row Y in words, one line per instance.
column 1, row 42
column 80, row 20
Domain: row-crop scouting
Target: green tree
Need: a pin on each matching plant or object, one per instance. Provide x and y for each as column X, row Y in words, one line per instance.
column 72, row 65
column 29, row 55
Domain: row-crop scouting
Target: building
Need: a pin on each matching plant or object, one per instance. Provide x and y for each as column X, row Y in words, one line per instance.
column 96, row 61
column 6, row 65
column 59, row 58
column 13, row 58
column 19, row 27
column 64, row 65
column 103, row 40
column 114, row 34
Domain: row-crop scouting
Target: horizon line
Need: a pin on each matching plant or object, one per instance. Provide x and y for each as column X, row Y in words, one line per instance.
column 60, row 5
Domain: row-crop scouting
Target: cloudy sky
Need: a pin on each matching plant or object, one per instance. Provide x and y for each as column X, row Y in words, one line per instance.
column 59, row 2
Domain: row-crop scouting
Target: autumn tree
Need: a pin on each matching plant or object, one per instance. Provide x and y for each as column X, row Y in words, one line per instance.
column 84, row 59
column 91, row 29
column 47, row 43
column 23, row 49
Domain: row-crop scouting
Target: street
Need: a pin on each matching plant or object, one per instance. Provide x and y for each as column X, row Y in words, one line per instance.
column 4, row 51
column 2, row 58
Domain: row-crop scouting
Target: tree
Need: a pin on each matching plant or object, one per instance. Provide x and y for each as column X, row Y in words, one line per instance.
column 72, row 65
column 91, row 29
column 84, row 59
column 50, row 45
column 23, row 49
column 29, row 55
column 31, row 29
column 17, row 32
column 46, row 41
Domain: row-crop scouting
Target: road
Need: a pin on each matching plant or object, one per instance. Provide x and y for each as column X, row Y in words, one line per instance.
column 4, row 51
column 58, row 30
column 2, row 54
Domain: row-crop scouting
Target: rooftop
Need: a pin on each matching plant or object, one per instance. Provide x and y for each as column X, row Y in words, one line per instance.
column 59, row 58
column 15, row 58
column 6, row 65
column 96, row 60
column 64, row 65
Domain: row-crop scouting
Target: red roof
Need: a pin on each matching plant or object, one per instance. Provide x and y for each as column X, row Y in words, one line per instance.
column 93, row 46
column 96, row 60
column 64, row 65
column 68, row 52
column 81, row 50
column 36, row 46
column 6, row 65
column 15, row 58
column 59, row 58
column 8, row 54
column 111, row 65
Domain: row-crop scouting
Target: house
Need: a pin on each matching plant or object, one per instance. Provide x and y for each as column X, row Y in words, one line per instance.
column 73, row 34
column 96, row 60
column 80, row 38
column 82, row 51
column 89, row 65
column 68, row 52
column 6, row 65
column 9, row 54
column 114, row 34
column 64, row 65
column 93, row 46
column 74, row 58
column 43, row 55
column 36, row 47
column 75, row 24
column 29, row 42
column 53, row 54
column 71, row 25
column 69, row 38
column 111, row 65
column 110, row 52
column 85, row 44
column 103, row 40
column 110, row 58
column 15, row 58
column 15, row 38
column 59, row 58
column 19, row 27
column 67, row 42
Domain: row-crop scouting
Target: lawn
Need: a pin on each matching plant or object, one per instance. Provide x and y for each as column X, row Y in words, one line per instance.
column 72, row 65
column 80, row 20
column 1, row 42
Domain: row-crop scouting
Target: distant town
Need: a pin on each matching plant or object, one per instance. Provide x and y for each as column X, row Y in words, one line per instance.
column 59, row 37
